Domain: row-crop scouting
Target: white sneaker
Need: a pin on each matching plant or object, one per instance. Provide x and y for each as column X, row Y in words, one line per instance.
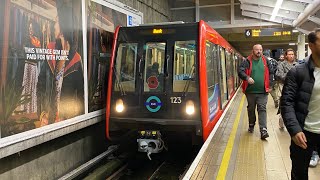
column 314, row 160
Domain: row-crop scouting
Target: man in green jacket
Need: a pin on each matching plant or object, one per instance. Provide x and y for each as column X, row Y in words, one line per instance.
column 256, row 72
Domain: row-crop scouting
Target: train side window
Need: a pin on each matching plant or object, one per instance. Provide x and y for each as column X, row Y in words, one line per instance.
column 223, row 77
column 230, row 76
column 125, row 69
column 212, row 67
column 184, row 66
column 154, row 66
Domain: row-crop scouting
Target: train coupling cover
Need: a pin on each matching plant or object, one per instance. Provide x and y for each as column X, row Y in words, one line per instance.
column 149, row 141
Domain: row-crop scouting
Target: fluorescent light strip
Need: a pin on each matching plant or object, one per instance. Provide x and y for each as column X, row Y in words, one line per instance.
column 276, row 9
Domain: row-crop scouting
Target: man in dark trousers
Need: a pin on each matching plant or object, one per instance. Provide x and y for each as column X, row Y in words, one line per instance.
column 254, row 71
column 300, row 108
column 275, row 86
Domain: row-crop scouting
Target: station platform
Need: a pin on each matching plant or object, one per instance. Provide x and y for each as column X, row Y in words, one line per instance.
column 231, row 152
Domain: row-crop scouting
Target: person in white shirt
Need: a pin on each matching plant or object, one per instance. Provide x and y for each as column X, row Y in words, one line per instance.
column 300, row 108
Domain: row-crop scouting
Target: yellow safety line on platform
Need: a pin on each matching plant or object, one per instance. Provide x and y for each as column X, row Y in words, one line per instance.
column 227, row 153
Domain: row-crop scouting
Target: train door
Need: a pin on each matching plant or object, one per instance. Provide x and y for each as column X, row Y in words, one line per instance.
column 140, row 80
column 223, row 78
column 168, row 78
column 153, row 82
column 212, row 79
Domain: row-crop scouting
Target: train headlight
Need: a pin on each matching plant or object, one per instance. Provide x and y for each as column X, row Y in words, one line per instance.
column 190, row 107
column 119, row 106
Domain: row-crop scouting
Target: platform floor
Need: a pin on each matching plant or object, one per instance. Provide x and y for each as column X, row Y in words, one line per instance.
column 235, row 154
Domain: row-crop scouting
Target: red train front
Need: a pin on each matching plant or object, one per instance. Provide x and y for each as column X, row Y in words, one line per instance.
column 168, row 78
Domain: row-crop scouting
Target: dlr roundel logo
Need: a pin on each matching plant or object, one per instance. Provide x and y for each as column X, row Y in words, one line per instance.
column 153, row 104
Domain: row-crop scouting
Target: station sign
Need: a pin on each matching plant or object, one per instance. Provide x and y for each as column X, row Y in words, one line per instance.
column 267, row 32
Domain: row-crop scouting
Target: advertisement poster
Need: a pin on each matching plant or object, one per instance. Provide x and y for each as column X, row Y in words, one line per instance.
column 102, row 22
column 214, row 102
column 41, row 63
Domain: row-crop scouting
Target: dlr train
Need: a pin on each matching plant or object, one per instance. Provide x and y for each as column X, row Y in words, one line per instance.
column 174, row 77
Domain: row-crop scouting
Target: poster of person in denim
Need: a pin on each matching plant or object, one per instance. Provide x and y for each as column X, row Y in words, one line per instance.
column 41, row 63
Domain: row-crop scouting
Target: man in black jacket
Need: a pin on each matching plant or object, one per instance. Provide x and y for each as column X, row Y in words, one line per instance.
column 300, row 108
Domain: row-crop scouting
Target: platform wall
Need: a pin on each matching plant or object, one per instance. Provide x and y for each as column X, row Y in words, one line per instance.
column 154, row 11
column 49, row 152
column 55, row 158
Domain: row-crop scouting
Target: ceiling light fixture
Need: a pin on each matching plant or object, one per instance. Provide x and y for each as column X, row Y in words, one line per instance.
column 276, row 9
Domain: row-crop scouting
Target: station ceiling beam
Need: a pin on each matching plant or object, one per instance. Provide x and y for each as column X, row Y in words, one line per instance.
column 303, row 30
column 268, row 10
column 286, row 5
column 204, row 6
column 267, row 17
column 314, row 19
column 308, row 11
column 304, row 1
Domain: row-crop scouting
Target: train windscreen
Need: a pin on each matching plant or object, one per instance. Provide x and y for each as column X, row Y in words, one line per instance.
column 155, row 72
column 184, row 66
column 125, row 68
column 154, row 66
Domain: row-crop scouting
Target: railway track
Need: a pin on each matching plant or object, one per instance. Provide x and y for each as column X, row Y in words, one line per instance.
column 168, row 165
column 124, row 162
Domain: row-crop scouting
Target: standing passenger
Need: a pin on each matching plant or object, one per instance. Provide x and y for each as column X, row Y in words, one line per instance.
column 274, row 85
column 281, row 73
column 300, row 108
column 254, row 71
column 281, row 58
column 286, row 65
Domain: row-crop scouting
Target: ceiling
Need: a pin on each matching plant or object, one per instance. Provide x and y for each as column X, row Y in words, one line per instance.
column 232, row 17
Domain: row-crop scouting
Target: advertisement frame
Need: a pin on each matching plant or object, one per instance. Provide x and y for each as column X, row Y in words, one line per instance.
column 24, row 140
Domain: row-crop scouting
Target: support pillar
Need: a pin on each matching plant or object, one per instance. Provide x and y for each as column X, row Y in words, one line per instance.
column 301, row 46
column 197, row 10
column 232, row 12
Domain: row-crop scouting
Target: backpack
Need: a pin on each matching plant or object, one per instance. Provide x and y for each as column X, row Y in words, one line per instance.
column 274, row 64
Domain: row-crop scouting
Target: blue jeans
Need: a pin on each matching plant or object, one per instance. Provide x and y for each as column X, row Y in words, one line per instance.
column 258, row 101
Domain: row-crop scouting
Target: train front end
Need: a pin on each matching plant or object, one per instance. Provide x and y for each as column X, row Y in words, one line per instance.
column 154, row 84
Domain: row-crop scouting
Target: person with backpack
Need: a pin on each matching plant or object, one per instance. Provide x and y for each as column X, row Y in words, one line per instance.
column 274, row 85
